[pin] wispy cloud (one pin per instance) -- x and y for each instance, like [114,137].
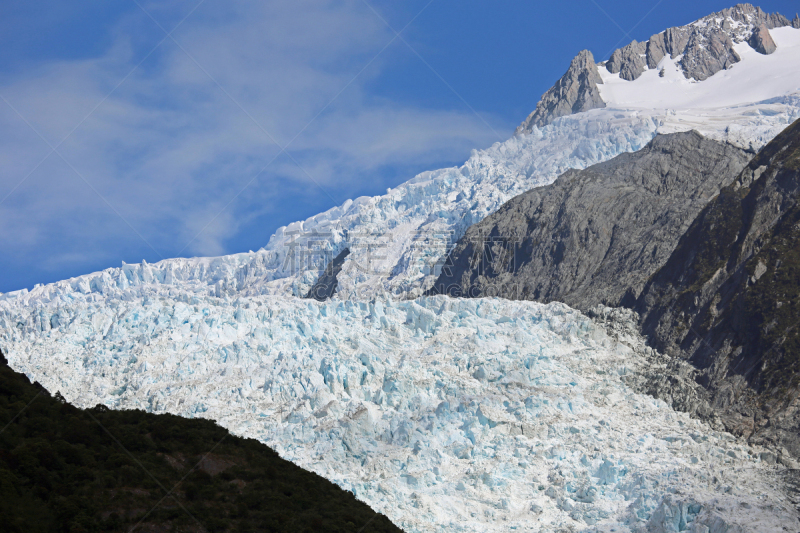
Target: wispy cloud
[169,149]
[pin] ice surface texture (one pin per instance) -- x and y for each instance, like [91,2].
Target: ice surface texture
[479,415]
[398,240]
[457,415]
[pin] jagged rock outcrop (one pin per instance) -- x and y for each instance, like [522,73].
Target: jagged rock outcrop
[796,21]
[707,44]
[628,61]
[670,42]
[761,41]
[706,47]
[594,236]
[328,281]
[708,53]
[728,298]
[575,92]
[746,15]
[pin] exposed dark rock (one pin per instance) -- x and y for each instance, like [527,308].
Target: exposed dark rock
[628,61]
[737,23]
[576,91]
[706,46]
[670,42]
[708,53]
[728,298]
[325,287]
[796,21]
[761,41]
[594,236]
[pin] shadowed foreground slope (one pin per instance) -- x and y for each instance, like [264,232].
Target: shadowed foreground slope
[72,470]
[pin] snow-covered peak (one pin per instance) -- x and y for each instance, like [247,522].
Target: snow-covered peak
[756,78]
[740,20]
[706,46]
[398,240]
[697,51]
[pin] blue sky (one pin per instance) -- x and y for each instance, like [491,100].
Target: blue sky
[170,145]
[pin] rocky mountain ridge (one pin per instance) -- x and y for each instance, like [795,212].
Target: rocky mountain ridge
[728,299]
[575,92]
[594,236]
[702,49]
[724,295]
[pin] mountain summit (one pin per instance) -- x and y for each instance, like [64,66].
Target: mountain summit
[575,92]
[700,50]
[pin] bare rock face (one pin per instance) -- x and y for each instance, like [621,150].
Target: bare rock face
[708,42]
[761,41]
[707,54]
[628,61]
[796,21]
[594,236]
[672,42]
[326,285]
[575,92]
[728,298]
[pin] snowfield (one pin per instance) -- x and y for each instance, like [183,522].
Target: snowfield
[756,78]
[456,415]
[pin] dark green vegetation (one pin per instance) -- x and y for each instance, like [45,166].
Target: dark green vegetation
[728,298]
[72,470]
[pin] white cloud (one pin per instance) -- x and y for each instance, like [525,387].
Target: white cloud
[169,149]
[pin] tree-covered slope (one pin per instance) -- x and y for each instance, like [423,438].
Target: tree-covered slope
[72,470]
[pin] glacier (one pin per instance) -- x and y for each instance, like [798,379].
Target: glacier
[398,241]
[460,415]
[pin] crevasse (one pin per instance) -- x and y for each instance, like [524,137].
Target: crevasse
[462,415]
[477,415]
